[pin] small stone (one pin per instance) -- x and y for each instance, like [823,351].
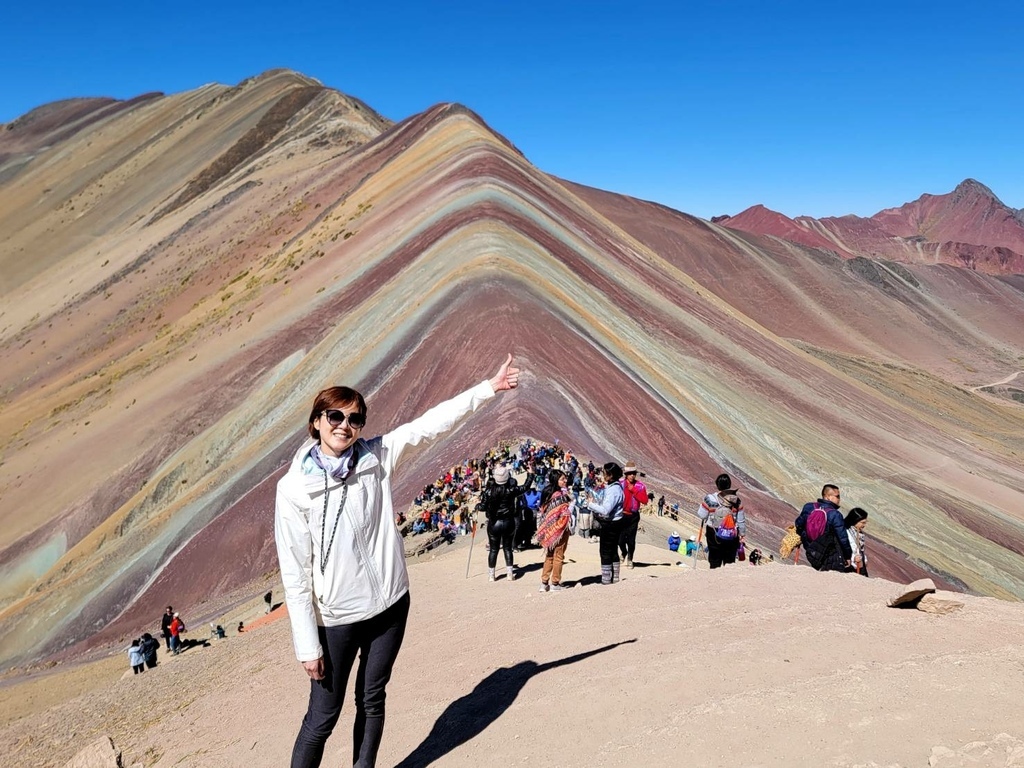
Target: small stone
[100,754]
[938,605]
[909,595]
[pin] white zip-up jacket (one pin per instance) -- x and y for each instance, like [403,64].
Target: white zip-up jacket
[365,572]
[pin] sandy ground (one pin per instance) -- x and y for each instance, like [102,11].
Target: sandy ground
[761,666]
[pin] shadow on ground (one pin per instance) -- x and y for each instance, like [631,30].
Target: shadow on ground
[469,716]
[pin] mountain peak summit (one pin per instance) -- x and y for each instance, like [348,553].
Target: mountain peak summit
[972,188]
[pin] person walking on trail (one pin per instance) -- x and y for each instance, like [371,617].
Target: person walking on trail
[634,496]
[553,531]
[165,626]
[609,512]
[724,522]
[501,504]
[345,580]
[822,531]
[855,523]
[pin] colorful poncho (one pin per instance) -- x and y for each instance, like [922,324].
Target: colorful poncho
[554,520]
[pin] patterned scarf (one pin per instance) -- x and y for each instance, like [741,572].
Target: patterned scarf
[338,468]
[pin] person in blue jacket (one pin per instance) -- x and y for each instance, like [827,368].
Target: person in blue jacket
[831,550]
[674,541]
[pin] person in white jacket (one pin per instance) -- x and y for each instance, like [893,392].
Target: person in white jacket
[343,562]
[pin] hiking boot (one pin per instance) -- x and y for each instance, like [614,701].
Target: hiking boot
[556,588]
[615,573]
[629,562]
[490,574]
[510,573]
[544,587]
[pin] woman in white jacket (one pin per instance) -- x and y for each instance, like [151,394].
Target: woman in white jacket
[343,562]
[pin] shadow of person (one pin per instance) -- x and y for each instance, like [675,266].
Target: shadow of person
[469,716]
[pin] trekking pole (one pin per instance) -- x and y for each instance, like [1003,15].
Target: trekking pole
[700,535]
[472,538]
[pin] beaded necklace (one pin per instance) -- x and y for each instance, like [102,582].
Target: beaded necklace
[326,553]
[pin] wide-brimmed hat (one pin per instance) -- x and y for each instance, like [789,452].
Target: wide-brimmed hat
[630,467]
[729,499]
[501,474]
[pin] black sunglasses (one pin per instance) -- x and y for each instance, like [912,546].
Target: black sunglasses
[336,418]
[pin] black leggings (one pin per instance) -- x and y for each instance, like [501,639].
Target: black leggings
[627,539]
[377,640]
[720,551]
[499,534]
[608,541]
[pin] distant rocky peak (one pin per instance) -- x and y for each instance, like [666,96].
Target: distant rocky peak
[970,188]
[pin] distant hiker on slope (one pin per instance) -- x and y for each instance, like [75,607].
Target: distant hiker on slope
[553,531]
[634,494]
[609,512]
[136,658]
[149,646]
[176,628]
[725,524]
[343,561]
[500,503]
[822,531]
[855,522]
[165,625]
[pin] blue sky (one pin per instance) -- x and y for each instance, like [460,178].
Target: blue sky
[810,108]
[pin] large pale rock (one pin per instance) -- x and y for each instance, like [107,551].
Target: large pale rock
[100,754]
[937,604]
[909,595]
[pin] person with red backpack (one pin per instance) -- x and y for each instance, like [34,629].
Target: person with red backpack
[724,521]
[822,530]
[634,496]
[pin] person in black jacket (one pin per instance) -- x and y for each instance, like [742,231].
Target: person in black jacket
[830,551]
[149,646]
[500,502]
[165,625]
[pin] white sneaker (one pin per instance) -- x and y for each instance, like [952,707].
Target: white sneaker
[557,587]
[544,588]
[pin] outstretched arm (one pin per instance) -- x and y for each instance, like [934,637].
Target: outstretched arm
[443,418]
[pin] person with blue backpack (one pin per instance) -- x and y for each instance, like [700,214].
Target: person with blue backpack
[822,531]
[723,522]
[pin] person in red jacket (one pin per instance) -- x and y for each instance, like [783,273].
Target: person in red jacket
[176,628]
[635,493]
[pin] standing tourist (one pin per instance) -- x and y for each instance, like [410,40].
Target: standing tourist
[822,530]
[609,513]
[501,503]
[343,562]
[634,496]
[855,523]
[553,531]
[165,626]
[136,658]
[725,524]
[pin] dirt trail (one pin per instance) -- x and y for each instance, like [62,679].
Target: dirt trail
[759,666]
[999,383]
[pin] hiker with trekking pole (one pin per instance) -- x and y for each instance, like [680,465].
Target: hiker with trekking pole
[723,523]
[345,581]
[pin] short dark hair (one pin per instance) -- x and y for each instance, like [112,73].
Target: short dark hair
[612,471]
[723,482]
[826,488]
[334,397]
